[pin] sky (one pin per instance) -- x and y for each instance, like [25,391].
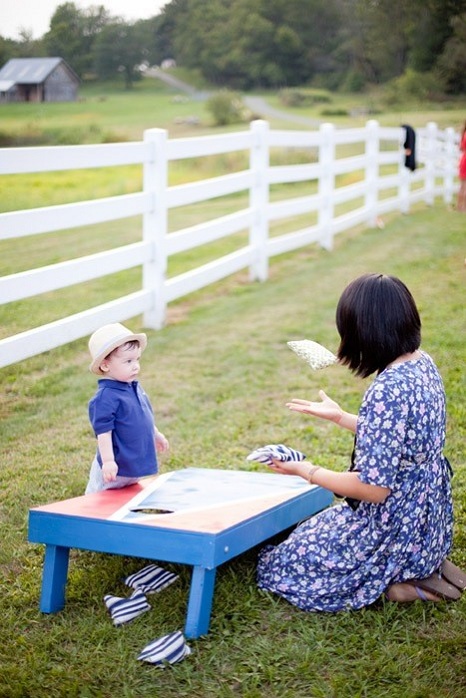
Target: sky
[35,15]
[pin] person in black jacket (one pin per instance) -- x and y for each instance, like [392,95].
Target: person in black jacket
[410,147]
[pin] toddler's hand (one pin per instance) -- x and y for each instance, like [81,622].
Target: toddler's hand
[109,471]
[161,443]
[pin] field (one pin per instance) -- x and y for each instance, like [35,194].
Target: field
[219,375]
[109,113]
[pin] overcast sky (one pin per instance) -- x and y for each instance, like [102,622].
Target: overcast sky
[35,15]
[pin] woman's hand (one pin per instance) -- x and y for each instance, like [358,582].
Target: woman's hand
[290,467]
[326,409]
[346,484]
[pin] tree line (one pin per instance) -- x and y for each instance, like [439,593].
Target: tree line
[247,44]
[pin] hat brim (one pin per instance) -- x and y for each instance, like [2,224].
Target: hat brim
[94,367]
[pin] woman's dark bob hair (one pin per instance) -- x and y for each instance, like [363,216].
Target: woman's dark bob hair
[378,321]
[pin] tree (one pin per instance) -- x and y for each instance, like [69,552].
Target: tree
[118,50]
[306,36]
[72,34]
[7,50]
[28,47]
[265,43]
[388,28]
[64,37]
[452,62]
[250,43]
[164,28]
[433,31]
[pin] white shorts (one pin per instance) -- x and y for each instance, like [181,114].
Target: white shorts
[96,481]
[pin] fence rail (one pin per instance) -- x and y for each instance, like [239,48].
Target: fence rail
[383,185]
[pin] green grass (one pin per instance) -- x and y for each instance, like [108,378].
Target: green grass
[219,375]
[352,110]
[105,112]
[103,109]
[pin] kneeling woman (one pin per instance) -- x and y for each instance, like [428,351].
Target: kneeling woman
[394,531]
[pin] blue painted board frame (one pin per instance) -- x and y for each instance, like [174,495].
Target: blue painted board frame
[204,551]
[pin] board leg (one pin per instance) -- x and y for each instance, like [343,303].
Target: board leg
[200,602]
[54,578]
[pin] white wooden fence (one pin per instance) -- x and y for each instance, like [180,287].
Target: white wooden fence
[380,184]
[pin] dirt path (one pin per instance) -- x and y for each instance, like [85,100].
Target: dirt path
[257,105]
[155,72]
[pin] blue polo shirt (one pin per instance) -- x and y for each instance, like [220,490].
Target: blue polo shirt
[125,410]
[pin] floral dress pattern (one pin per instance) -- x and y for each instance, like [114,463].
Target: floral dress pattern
[345,558]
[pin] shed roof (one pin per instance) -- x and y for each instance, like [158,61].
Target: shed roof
[30,71]
[6,85]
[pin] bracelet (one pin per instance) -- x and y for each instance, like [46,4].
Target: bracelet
[311,472]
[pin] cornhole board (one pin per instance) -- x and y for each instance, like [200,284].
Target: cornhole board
[195,516]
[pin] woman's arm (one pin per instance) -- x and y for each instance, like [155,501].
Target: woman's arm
[326,409]
[346,484]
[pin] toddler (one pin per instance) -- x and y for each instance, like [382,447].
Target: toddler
[120,412]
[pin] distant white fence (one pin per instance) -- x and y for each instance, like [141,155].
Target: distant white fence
[384,185]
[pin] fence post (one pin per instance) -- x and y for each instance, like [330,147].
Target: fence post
[372,171]
[326,184]
[450,168]
[431,153]
[154,226]
[259,199]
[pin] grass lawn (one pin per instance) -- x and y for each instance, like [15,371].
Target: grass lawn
[105,112]
[219,375]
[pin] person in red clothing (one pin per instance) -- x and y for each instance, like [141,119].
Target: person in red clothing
[461,204]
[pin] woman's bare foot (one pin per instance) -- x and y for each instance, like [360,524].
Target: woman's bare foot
[402,593]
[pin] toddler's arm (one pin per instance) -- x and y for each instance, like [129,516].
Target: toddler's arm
[109,467]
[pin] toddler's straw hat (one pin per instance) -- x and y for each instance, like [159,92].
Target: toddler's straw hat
[108,338]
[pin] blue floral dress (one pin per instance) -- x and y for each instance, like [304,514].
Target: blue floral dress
[345,558]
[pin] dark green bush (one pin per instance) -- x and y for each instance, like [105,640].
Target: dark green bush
[294,97]
[413,86]
[334,112]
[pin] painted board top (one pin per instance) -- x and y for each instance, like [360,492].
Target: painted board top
[191,499]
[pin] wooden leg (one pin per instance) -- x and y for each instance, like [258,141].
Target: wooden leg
[54,578]
[200,602]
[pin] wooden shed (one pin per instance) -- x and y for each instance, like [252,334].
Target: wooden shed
[38,80]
